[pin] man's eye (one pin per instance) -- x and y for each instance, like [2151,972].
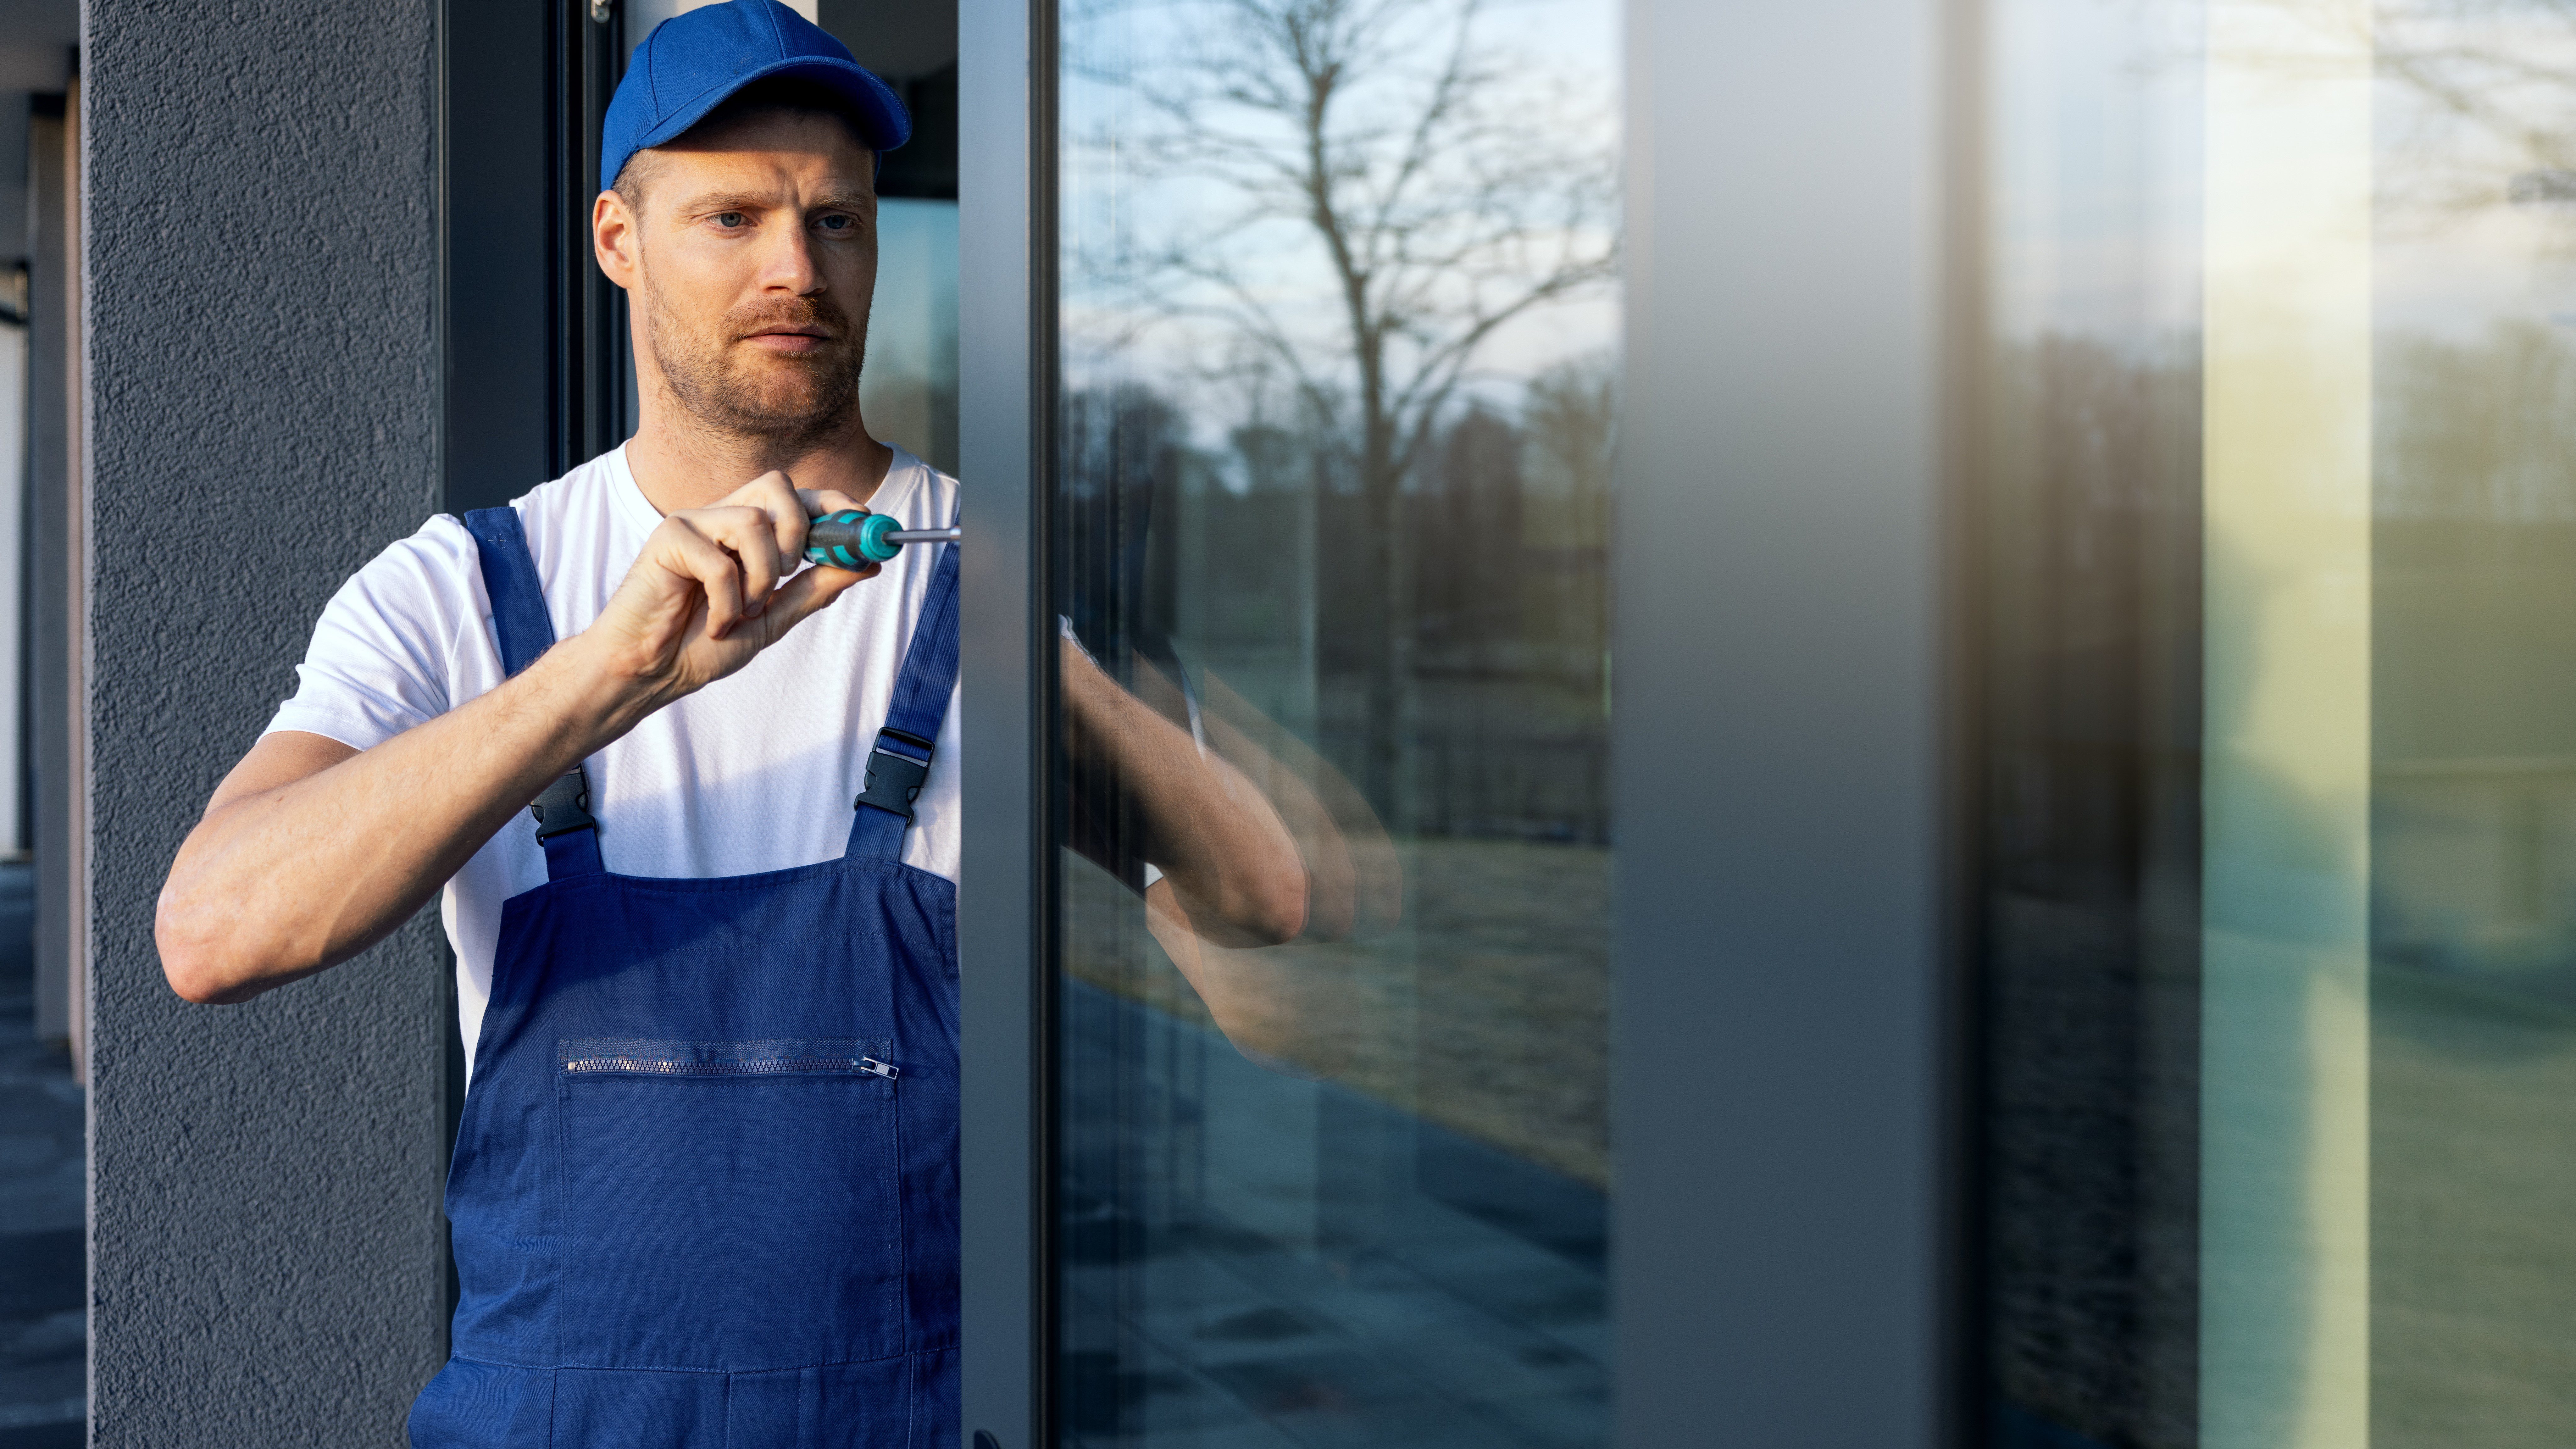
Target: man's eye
[837,223]
[730,219]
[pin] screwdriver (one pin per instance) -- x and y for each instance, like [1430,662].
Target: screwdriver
[851,539]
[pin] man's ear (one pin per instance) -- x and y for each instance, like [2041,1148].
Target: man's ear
[616,238]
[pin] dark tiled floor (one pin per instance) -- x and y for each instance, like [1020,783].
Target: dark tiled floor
[1258,1262]
[43,1331]
[2018,1428]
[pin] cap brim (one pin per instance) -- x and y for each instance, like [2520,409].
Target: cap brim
[883,120]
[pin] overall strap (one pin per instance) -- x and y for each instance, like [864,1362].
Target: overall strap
[900,762]
[564,824]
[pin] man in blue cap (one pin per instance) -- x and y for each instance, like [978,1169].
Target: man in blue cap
[704,1190]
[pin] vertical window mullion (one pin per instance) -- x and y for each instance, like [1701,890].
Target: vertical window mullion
[588,386]
[1005,356]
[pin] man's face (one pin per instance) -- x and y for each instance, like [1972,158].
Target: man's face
[752,265]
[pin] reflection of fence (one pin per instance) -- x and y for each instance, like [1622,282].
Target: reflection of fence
[1527,787]
[2474,862]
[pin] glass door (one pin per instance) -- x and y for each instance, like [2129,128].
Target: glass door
[1336,403]
[2277,509]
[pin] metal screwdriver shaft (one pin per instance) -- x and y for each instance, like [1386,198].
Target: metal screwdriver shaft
[850,539]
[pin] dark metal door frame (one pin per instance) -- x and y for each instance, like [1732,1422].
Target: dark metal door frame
[1784,1043]
[588,56]
[533,334]
[1006,364]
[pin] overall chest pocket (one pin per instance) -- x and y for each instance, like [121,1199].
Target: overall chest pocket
[730,1205]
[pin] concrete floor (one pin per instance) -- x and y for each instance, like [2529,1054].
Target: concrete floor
[43,1329]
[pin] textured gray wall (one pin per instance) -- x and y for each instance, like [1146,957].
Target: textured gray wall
[267,1253]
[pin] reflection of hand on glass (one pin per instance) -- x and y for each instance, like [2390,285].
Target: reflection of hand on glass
[1257,843]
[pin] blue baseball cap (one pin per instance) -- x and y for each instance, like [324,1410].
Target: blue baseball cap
[695,61]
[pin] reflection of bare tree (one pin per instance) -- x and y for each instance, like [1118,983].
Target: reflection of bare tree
[2485,91]
[2486,114]
[1383,147]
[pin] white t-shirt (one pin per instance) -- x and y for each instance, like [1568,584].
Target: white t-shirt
[755,772]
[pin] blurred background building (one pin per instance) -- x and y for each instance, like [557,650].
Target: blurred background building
[43,1317]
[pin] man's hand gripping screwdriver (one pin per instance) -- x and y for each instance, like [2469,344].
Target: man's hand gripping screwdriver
[852,539]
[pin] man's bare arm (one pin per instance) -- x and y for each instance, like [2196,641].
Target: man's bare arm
[1201,821]
[1252,855]
[311,852]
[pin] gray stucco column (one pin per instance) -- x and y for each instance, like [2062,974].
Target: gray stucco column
[263,381]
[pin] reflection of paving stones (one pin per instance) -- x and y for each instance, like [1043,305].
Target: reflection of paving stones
[1488,1012]
[2017,1428]
[1267,1324]
[1270,1263]
[1335,1383]
[43,1330]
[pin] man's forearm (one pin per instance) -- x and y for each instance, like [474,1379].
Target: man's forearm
[1203,823]
[310,853]
[286,876]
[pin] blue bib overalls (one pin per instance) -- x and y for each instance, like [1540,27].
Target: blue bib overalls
[705,1187]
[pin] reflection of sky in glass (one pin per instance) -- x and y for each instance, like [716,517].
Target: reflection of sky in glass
[2095,142]
[1127,200]
[2096,145]
[908,392]
[2471,96]
[2474,293]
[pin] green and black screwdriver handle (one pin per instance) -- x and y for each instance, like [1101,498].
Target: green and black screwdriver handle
[852,539]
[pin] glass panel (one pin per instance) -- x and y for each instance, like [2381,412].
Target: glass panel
[2091,773]
[2279,759]
[2473,840]
[908,392]
[1338,308]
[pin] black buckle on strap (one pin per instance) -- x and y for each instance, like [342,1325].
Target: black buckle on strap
[894,781]
[564,805]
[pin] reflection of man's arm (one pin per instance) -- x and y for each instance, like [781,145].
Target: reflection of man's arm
[1355,887]
[1224,850]
[1257,839]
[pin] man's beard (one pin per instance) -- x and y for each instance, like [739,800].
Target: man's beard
[779,398]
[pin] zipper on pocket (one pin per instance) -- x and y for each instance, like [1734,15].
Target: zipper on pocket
[629,1057]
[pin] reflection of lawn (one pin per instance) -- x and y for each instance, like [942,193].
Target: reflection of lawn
[2472,1217]
[1488,1012]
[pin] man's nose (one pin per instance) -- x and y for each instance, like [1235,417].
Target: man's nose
[788,263]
